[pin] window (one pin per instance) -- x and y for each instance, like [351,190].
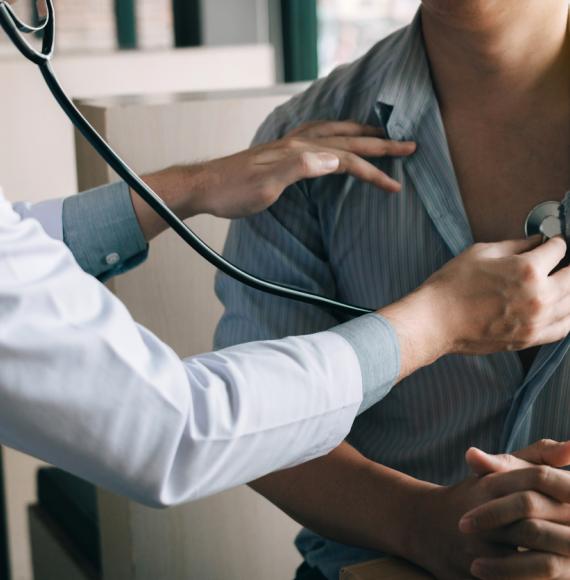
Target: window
[348,28]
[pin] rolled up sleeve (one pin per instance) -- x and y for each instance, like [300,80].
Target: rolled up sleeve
[100,228]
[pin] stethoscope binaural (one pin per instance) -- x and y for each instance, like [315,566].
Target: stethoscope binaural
[547,219]
[16,29]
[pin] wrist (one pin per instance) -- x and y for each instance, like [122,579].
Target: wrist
[419,323]
[183,188]
[396,526]
[421,526]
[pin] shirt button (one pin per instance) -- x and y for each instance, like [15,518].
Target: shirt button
[113,259]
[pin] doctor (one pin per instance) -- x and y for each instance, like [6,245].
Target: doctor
[84,387]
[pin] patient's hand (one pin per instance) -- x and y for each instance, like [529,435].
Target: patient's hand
[531,512]
[500,502]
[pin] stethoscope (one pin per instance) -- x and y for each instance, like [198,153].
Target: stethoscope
[547,219]
[16,29]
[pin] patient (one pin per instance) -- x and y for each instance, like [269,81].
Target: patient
[483,87]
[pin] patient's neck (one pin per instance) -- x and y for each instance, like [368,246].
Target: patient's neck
[506,56]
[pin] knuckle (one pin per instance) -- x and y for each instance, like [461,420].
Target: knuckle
[551,567]
[544,444]
[532,531]
[267,192]
[305,162]
[478,248]
[293,143]
[527,335]
[528,272]
[542,475]
[536,306]
[527,504]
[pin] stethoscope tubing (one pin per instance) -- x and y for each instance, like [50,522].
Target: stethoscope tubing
[15,28]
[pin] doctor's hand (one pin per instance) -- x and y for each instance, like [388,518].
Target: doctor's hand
[492,298]
[251,181]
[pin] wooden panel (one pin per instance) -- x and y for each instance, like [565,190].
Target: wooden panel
[386,569]
[35,129]
[236,535]
[116,537]
[53,556]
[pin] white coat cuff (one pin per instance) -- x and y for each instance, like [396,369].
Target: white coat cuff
[48,213]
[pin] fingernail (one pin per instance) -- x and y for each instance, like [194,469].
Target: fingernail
[328,161]
[468,525]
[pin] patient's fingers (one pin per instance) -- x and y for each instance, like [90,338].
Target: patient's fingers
[548,480]
[522,566]
[537,535]
[514,508]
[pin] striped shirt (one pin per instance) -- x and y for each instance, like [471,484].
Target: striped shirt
[347,239]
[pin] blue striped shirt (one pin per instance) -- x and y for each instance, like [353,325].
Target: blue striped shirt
[349,240]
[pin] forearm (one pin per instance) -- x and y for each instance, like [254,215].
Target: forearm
[349,499]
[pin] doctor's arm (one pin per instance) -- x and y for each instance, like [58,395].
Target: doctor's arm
[85,388]
[108,228]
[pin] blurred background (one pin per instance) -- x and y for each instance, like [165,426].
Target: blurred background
[111,48]
[321,33]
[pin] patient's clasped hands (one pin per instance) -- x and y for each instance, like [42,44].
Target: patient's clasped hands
[510,520]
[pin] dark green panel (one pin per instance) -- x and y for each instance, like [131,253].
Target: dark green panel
[4,561]
[300,40]
[187,22]
[126,18]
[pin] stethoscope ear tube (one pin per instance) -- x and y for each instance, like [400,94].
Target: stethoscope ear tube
[156,203]
[15,29]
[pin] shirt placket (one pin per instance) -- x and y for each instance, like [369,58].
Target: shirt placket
[432,172]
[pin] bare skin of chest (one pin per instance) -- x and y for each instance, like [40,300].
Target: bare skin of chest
[503,172]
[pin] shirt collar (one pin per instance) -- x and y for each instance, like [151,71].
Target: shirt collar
[407,90]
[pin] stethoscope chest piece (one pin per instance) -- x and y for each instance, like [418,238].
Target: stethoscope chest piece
[544,220]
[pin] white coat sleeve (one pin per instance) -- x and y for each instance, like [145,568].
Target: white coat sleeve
[85,388]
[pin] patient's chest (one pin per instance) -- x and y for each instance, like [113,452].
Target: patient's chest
[504,169]
[381,247]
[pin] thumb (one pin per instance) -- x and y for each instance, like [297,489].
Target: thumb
[308,165]
[482,463]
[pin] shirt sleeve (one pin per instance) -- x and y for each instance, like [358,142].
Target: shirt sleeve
[83,387]
[99,226]
[101,230]
[286,244]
